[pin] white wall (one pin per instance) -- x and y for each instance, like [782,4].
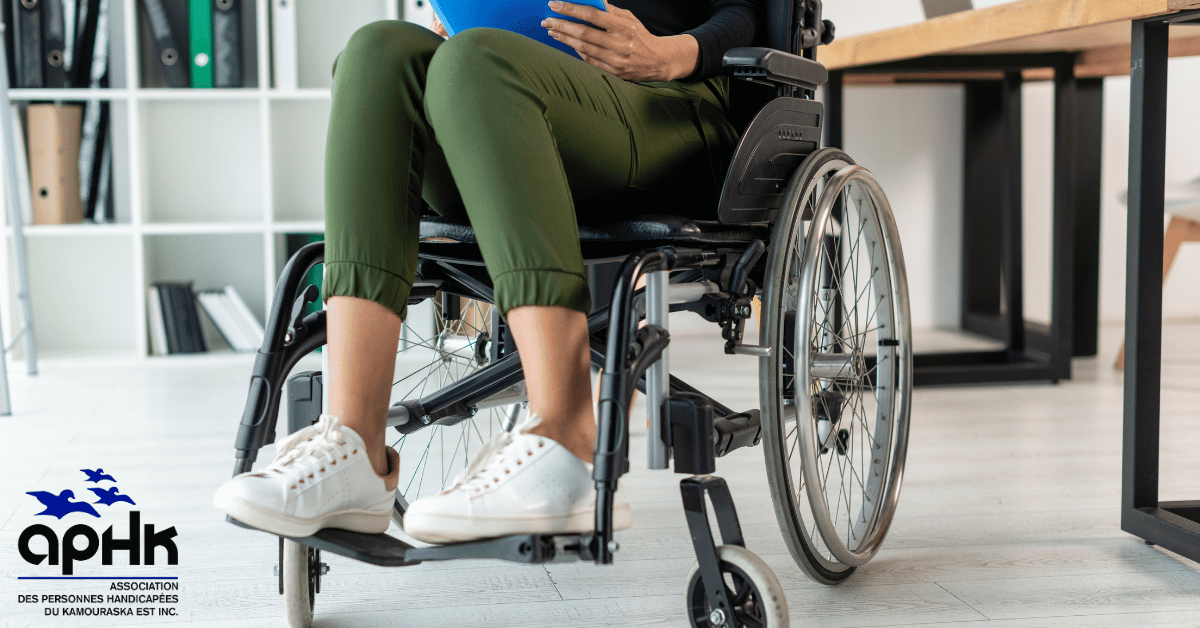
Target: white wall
[911,138]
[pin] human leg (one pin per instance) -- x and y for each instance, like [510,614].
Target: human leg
[527,132]
[553,343]
[377,152]
[572,137]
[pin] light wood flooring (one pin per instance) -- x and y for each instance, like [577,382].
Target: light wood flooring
[1009,514]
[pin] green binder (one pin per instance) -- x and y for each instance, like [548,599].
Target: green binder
[200,28]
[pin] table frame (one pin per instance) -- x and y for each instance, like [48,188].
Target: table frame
[992,286]
[1173,525]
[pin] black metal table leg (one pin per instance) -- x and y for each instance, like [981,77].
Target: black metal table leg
[1079,106]
[834,116]
[1173,525]
[992,297]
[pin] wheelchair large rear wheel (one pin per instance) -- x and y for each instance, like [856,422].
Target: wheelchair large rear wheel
[836,387]
[451,348]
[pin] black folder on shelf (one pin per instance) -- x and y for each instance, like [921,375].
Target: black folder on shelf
[94,148]
[168,34]
[227,43]
[181,318]
[89,67]
[54,43]
[24,20]
[89,62]
[170,325]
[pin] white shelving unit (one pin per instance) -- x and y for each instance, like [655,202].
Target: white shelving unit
[206,182]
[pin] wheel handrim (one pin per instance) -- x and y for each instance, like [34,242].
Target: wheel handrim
[855,461]
[791,504]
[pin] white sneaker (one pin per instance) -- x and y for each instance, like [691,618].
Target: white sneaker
[519,483]
[320,478]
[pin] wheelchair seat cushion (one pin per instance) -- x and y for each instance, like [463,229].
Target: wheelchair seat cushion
[650,228]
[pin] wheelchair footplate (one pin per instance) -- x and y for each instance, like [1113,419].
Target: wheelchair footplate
[384,550]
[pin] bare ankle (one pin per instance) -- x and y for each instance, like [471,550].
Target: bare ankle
[379,463]
[581,443]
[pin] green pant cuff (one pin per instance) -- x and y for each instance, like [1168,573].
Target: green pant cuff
[351,279]
[518,288]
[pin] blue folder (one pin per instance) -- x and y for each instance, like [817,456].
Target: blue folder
[519,16]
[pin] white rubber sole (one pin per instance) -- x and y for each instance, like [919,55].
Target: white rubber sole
[373,520]
[438,528]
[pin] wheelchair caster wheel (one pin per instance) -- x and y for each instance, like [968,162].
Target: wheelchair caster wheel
[751,587]
[300,574]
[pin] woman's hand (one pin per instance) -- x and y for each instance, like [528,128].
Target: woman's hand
[438,28]
[624,48]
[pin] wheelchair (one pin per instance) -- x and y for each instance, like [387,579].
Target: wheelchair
[806,224]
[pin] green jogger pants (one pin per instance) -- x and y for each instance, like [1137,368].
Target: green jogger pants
[522,139]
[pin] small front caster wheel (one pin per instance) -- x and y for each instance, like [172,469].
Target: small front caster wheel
[301,565]
[753,591]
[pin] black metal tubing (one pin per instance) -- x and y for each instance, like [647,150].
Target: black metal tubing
[616,388]
[1079,106]
[1173,525]
[834,116]
[278,354]
[992,301]
[696,512]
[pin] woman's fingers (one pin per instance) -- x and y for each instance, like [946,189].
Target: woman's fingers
[603,19]
[607,44]
[584,48]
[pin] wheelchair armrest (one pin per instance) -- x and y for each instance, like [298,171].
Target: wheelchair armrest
[775,67]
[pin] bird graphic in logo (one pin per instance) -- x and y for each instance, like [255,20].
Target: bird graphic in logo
[111,496]
[97,475]
[61,505]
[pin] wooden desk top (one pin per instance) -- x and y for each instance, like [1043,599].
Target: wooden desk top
[1100,27]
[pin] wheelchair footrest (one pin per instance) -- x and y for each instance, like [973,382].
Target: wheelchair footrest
[388,551]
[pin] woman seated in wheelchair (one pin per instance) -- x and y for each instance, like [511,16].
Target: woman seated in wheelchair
[523,140]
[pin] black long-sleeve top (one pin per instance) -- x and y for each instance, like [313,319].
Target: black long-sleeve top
[717,24]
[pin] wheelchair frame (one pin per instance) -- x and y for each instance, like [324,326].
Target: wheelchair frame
[718,273]
[695,426]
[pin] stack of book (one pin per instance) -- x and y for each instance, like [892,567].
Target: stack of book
[174,319]
[233,318]
[196,43]
[179,319]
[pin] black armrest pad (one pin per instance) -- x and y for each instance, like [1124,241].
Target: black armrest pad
[768,64]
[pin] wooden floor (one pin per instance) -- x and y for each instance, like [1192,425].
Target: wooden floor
[1008,517]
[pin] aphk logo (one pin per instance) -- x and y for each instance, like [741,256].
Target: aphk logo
[140,541]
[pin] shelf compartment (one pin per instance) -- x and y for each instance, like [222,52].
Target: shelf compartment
[80,303]
[322,30]
[298,130]
[210,261]
[202,161]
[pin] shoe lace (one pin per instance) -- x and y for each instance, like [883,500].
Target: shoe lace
[500,456]
[307,452]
